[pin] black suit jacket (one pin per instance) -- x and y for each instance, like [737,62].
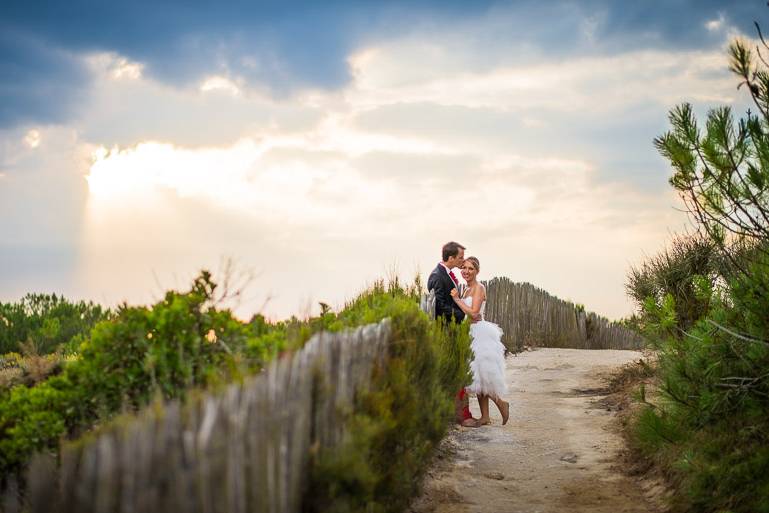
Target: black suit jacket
[441,283]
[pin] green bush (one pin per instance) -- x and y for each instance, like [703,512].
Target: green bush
[674,273]
[185,342]
[46,321]
[711,430]
[704,307]
[398,422]
[165,350]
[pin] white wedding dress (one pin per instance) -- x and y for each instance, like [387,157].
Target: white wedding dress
[488,365]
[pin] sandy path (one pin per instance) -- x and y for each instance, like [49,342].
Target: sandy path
[556,454]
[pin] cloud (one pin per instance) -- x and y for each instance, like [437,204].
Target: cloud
[42,193]
[523,130]
[127,111]
[283,48]
[32,139]
[606,109]
[40,82]
[217,83]
[716,24]
[272,46]
[303,213]
[562,85]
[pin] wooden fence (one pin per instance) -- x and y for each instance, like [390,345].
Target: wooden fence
[529,316]
[245,449]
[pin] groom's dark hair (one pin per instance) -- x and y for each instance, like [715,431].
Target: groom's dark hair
[451,249]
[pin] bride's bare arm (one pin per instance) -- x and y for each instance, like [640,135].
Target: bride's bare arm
[472,311]
[478,297]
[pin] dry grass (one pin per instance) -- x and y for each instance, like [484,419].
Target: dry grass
[28,368]
[10,376]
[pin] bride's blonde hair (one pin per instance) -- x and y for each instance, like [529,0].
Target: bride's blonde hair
[475,262]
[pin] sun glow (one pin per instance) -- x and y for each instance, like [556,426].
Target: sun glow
[217,83]
[301,175]
[265,179]
[32,138]
[152,167]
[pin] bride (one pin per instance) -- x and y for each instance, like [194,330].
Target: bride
[488,365]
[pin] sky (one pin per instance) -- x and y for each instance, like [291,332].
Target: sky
[320,146]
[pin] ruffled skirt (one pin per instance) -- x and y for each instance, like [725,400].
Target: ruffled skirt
[488,365]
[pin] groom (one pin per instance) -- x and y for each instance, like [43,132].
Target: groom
[442,280]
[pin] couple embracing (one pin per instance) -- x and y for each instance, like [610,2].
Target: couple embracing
[488,364]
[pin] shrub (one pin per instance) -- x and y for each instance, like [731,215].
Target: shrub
[711,430]
[398,422]
[674,273]
[179,343]
[46,321]
[705,304]
[183,342]
[28,368]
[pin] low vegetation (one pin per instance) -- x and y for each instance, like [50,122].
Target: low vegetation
[186,342]
[703,307]
[46,323]
[135,354]
[399,421]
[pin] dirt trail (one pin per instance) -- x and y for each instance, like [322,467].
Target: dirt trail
[557,453]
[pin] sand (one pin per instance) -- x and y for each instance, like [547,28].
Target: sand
[559,452]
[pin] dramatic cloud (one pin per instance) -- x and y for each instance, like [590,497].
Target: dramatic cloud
[349,217]
[322,147]
[39,82]
[283,47]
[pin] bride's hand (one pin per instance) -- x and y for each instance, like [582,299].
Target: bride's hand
[455,293]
